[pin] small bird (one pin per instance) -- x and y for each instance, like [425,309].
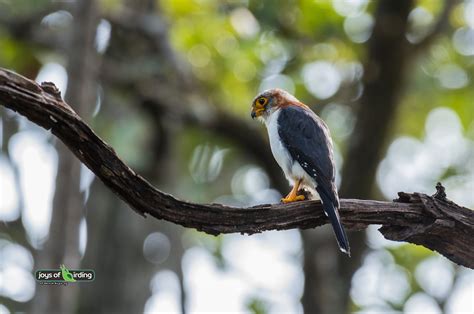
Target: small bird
[301,144]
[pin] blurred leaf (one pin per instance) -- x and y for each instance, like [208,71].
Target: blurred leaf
[409,256]
[18,56]
[257,306]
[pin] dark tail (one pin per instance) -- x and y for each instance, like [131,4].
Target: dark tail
[331,211]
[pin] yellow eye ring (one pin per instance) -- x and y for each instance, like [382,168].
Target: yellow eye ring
[262,101]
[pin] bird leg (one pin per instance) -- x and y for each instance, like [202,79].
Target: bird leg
[293,195]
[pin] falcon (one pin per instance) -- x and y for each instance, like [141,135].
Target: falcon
[301,144]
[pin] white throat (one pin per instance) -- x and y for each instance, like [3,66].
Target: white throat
[270,117]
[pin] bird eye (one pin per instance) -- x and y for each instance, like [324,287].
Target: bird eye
[262,101]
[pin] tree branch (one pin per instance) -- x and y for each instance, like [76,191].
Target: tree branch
[430,221]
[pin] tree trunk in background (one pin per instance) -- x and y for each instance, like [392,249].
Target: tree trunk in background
[62,246]
[118,260]
[115,252]
[328,272]
[115,246]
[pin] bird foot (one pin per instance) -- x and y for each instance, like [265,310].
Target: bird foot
[293,198]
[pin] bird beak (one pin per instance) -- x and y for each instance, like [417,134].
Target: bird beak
[256,112]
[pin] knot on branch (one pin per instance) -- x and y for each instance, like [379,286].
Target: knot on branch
[440,192]
[404,197]
[51,89]
[433,212]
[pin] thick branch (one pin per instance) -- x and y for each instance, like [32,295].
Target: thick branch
[434,222]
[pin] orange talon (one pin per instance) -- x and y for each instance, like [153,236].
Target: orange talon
[293,195]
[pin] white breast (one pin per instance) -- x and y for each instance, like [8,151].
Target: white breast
[281,154]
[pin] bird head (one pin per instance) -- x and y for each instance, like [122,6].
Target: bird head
[271,100]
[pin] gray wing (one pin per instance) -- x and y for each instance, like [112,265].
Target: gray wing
[305,136]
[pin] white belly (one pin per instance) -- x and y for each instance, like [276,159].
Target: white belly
[281,154]
[292,169]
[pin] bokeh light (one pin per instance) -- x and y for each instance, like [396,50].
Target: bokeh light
[410,166]
[359,27]
[36,161]
[156,247]
[321,78]
[10,198]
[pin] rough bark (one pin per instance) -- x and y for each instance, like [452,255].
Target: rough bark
[434,222]
[62,246]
